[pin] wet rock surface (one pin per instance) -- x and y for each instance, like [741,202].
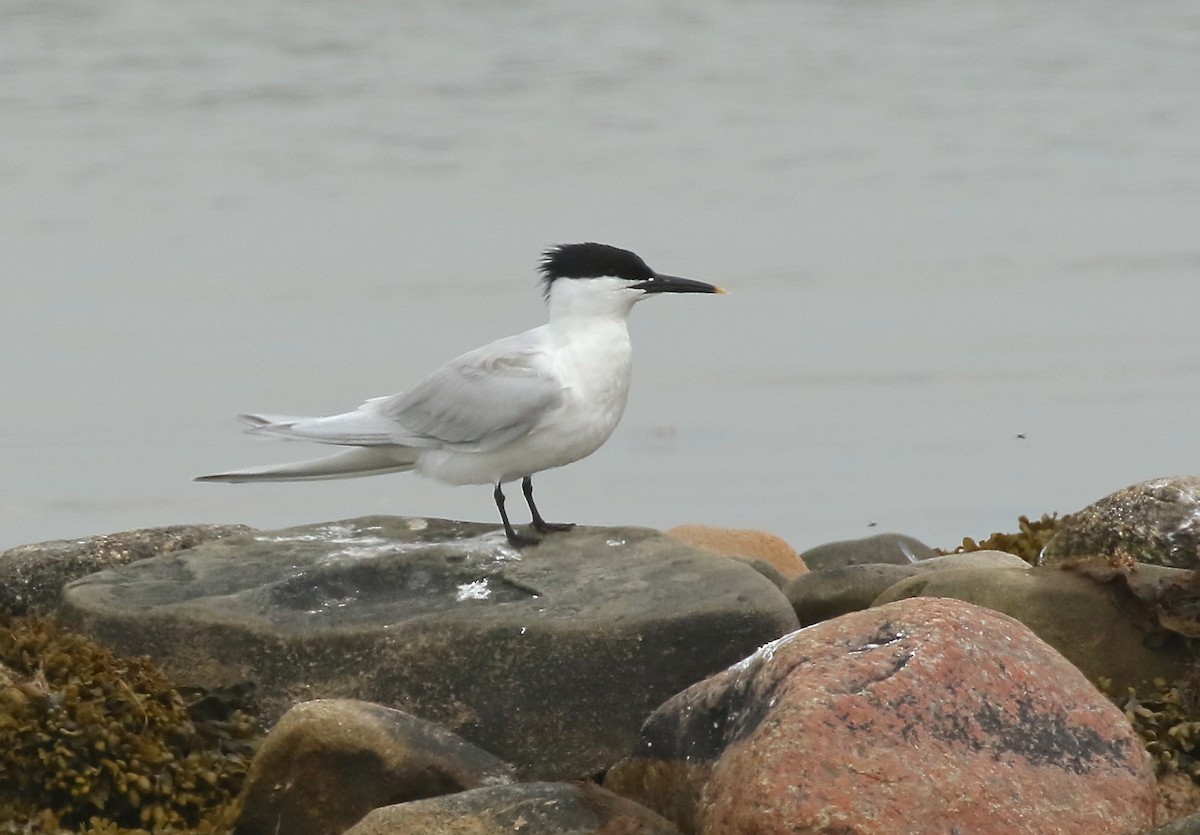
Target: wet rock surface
[32,576]
[549,658]
[1156,522]
[528,809]
[824,594]
[327,763]
[890,548]
[922,716]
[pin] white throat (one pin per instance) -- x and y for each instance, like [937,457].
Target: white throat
[591,298]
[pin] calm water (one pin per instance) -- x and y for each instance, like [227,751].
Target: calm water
[943,225]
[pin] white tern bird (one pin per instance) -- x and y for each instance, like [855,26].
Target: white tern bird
[541,399]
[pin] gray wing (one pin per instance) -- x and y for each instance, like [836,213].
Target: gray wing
[479,401]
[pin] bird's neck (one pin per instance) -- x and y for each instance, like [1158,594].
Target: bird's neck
[589,322]
[592,356]
[590,301]
[576,327]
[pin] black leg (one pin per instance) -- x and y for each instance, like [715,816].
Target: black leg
[539,524]
[514,538]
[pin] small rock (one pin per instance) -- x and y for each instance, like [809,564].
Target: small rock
[327,763]
[550,658]
[1156,522]
[923,716]
[1189,825]
[32,576]
[765,569]
[891,548]
[1093,624]
[739,542]
[1178,803]
[525,809]
[825,594]
[830,592]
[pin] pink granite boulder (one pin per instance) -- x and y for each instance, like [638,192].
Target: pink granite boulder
[922,716]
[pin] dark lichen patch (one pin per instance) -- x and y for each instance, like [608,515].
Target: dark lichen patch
[950,727]
[1027,543]
[1038,735]
[93,742]
[1045,737]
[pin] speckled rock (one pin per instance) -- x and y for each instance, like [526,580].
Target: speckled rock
[1155,522]
[525,809]
[32,576]
[825,594]
[891,548]
[1096,626]
[923,716]
[748,543]
[550,658]
[327,763]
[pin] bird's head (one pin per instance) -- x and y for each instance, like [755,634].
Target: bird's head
[600,275]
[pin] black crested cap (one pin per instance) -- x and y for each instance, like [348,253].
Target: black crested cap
[591,260]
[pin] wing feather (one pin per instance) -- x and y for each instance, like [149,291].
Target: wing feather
[483,399]
[476,402]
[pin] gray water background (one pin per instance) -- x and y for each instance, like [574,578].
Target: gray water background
[943,225]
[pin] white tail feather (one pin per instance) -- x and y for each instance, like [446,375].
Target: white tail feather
[349,464]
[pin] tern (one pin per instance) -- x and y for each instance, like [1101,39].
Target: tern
[520,405]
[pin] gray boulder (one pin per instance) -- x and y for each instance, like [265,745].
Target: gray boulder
[329,762]
[527,809]
[549,658]
[892,548]
[821,595]
[1101,628]
[32,576]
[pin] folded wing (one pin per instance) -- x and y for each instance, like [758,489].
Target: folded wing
[476,402]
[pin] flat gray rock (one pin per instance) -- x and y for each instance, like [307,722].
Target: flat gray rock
[549,658]
[32,576]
